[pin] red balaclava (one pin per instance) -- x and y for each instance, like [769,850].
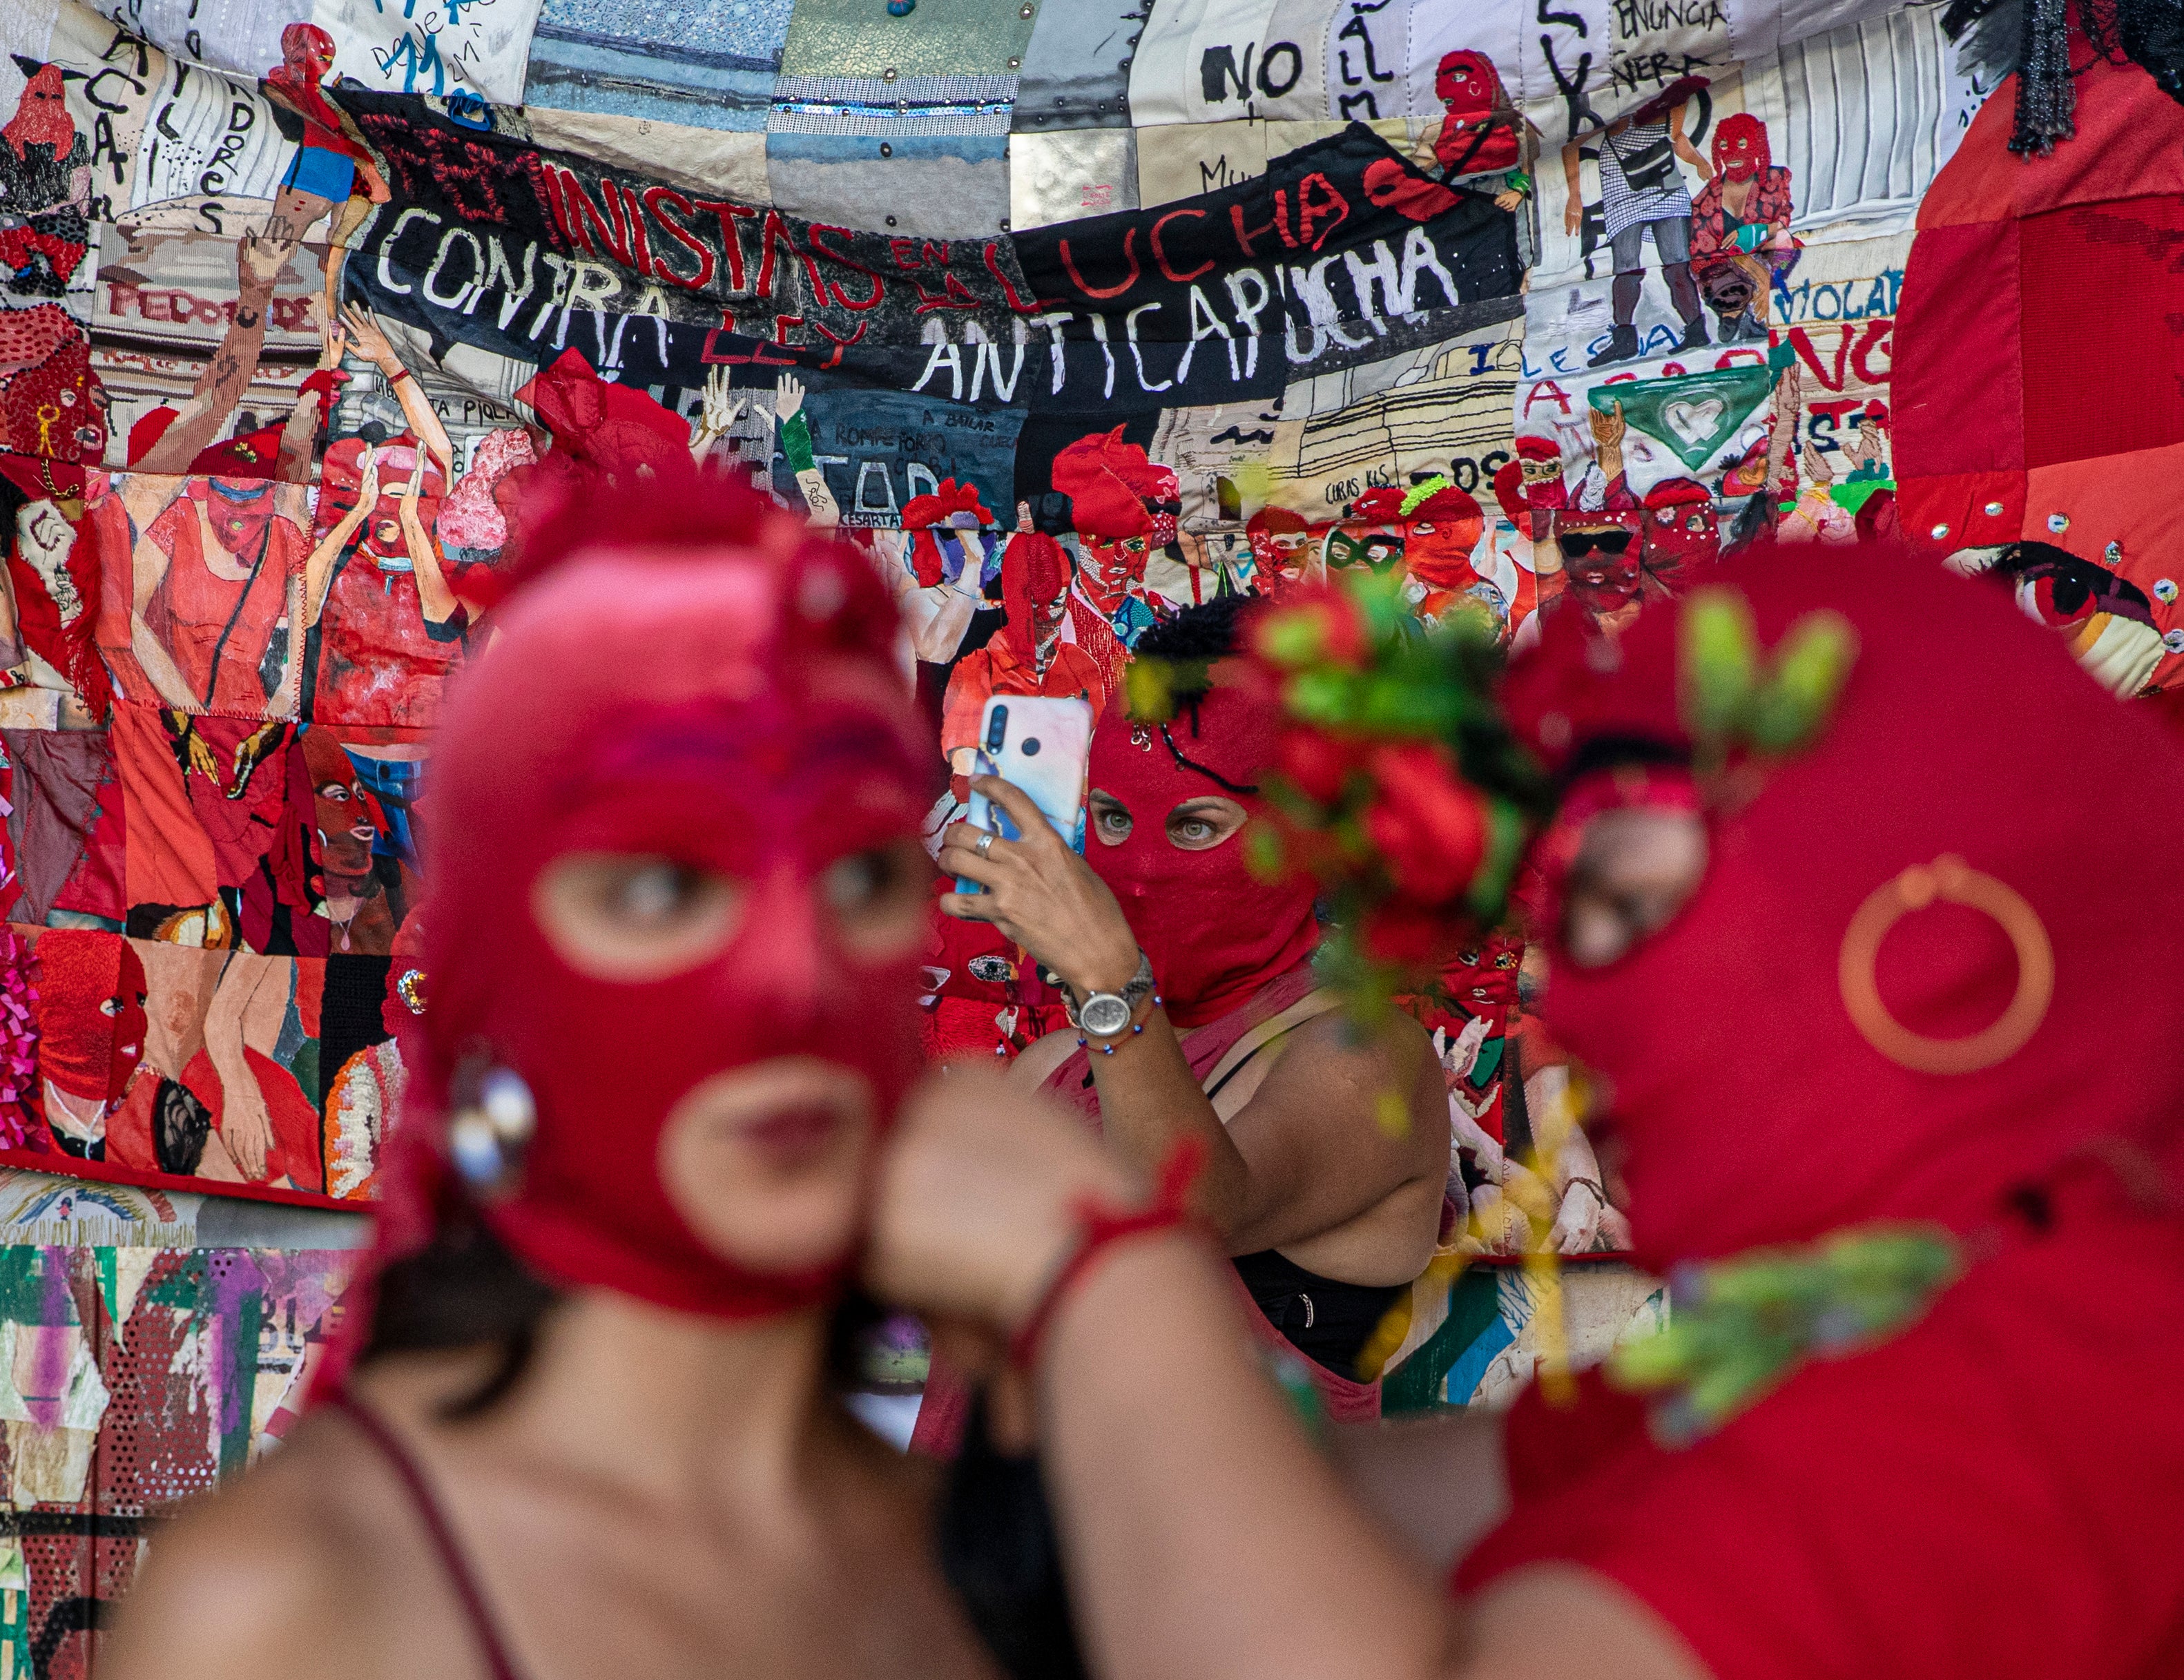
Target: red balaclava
[41,116]
[1682,534]
[954,507]
[307,54]
[1034,574]
[91,1012]
[239,511]
[1470,141]
[1740,146]
[1280,541]
[1754,1110]
[1443,531]
[341,477]
[1602,580]
[58,408]
[1214,932]
[740,714]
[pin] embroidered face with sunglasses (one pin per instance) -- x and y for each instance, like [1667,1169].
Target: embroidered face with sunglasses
[1600,565]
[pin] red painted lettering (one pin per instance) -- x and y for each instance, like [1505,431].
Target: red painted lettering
[1130,256]
[657,200]
[1160,255]
[729,212]
[834,288]
[1245,235]
[1311,207]
[1018,301]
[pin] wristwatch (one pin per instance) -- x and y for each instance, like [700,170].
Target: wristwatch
[1105,1014]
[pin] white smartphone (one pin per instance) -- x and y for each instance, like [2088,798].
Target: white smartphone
[1042,745]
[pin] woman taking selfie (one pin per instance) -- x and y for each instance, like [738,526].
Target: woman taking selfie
[1221,1032]
[579,1423]
[1914,1166]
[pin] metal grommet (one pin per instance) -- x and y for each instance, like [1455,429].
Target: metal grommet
[889,73]
[1940,531]
[886,150]
[890,221]
[1950,879]
[2058,523]
[1005,224]
[2164,589]
[2174,641]
[1025,11]
[1016,63]
[2113,554]
[1123,66]
[1992,510]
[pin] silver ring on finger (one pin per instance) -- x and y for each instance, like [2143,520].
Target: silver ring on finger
[985,842]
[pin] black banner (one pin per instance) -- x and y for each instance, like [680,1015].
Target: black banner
[517,240]
[1341,252]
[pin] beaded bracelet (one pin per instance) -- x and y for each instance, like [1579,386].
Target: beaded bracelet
[1136,1028]
[1100,1227]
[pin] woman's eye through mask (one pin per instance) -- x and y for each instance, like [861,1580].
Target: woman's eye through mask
[635,918]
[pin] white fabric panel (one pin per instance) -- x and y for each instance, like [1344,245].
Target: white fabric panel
[1864,117]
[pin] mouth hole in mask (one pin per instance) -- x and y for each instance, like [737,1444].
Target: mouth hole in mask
[1635,869]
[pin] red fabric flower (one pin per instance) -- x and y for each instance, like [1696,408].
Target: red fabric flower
[1428,826]
[1311,626]
[1315,764]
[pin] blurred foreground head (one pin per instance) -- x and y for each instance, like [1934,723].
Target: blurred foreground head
[1797,1033]
[675,902]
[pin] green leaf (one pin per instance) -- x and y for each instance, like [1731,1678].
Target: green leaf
[1811,664]
[1719,657]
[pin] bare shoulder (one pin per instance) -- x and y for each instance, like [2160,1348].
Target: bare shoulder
[254,1578]
[1562,1620]
[1330,1068]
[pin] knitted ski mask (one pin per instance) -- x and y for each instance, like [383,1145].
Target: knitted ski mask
[1755,1108]
[91,1012]
[1214,933]
[698,682]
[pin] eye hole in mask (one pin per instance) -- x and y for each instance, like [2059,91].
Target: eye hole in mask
[631,919]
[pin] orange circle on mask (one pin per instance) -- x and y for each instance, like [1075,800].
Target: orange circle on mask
[1947,880]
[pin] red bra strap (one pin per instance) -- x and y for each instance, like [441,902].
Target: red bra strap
[412,1475]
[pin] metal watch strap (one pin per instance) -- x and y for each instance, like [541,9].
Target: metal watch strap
[1134,992]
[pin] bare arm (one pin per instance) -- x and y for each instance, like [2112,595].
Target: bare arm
[227,375]
[434,598]
[1684,148]
[1205,1537]
[1308,1153]
[245,1127]
[319,568]
[1574,188]
[230,1593]
[1437,1480]
[417,411]
[937,634]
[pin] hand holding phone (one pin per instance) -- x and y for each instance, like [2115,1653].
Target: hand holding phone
[1042,745]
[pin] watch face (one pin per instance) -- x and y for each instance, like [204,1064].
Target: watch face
[1104,1014]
